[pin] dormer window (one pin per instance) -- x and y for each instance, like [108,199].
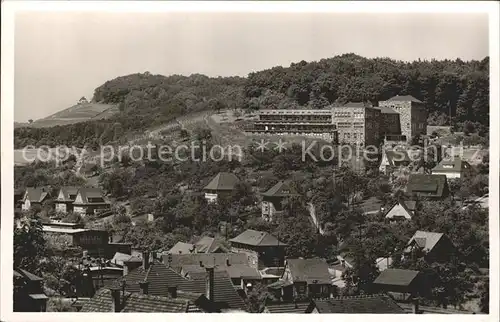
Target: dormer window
[448,166]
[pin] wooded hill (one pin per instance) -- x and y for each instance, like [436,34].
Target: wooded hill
[146,100]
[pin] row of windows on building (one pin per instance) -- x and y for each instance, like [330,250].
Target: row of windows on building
[348,125]
[355,136]
[358,115]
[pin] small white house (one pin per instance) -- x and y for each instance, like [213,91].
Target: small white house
[401,210]
[33,196]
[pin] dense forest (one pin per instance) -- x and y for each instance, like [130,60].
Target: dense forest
[147,100]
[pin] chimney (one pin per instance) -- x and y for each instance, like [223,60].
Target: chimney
[145,260]
[115,295]
[415,309]
[210,283]
[172,290]
[125,269]
[144,287]
[227,262]
[201,264]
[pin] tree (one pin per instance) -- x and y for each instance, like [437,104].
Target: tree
[29,245]
[30,121]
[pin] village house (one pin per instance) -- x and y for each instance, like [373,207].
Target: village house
[215,285]
[65,199]
[90,200]
[34,196]
[427,186]
[401,284]
[452,169]
[434,247]
[72,235]
[206,245]
[393,159]
[223,184]
[303,278]
[29,295]
[272,200]
[404,209]
[263,249]
[368,304]
[236,265]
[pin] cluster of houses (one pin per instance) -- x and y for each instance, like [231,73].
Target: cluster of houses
[208,277]
[81,200]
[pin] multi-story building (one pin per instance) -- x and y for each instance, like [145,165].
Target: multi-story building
[315,123]
[412,115]
[357,123]
[398,119]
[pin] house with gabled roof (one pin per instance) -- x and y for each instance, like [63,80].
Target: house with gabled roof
[205,245]
[65,198]
[392,159]
[162,280]
[90,200]
[452,169]
[223,183]
[432,246]
[263,249]
[34,196]
[303,278]
[427,186]
[401,284]
[404,209]
[272,199]
[242,275]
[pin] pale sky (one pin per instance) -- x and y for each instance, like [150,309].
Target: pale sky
[60,57]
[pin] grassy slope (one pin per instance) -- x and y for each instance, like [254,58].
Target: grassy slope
[74,114]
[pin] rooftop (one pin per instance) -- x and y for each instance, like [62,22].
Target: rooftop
[426,239]
[404,98]
[426,185]
[380,304]
[135,302]
[455,165]
[313,270]
[399,277]
[222,181]
[280,189]
[299,307]
[256,238]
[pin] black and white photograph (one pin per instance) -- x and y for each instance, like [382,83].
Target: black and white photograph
[289,160]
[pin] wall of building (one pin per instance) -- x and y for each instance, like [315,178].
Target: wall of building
[412,117]
[390,124]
